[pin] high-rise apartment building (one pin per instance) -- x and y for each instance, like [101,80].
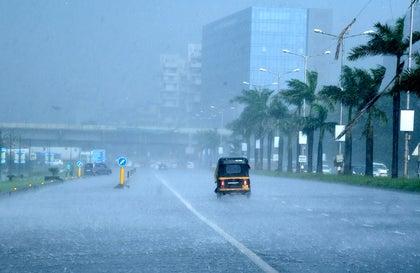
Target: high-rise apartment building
[180,86]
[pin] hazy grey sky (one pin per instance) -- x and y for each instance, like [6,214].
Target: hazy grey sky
[54,52]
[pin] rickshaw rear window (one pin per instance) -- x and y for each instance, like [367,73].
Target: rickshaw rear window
[233,169]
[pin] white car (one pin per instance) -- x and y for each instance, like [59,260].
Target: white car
[380,170]
[326,169]
[190,165]
[57,163]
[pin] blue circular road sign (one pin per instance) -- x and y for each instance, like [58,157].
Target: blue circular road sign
[79,163]
[122,161]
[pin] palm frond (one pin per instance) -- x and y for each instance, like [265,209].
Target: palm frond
[330,93]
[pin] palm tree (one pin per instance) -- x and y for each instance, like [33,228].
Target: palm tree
[370,82]
[242,127]
[296,93]
[389,40]
[280,115]
[319,121]
[289,126]
[208,139]
[256,109]
[348,94]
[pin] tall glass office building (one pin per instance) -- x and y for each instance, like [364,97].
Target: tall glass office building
[237,46]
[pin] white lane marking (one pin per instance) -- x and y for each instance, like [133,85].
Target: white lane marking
[309,209]
[417,210]
[399,232]
[367,225]
[345,220]
[242,248]
[325,214]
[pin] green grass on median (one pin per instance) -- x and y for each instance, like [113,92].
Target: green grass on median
[21,183]
[403,184]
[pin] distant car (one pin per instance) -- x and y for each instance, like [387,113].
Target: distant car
[57,163]
[162,166]
[358,169]
[101,169]
[190,165]
[88,169]
[380,170]
[326,169]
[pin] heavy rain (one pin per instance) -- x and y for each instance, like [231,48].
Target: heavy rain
[209,136]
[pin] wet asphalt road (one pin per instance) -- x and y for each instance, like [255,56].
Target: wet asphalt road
[171,221]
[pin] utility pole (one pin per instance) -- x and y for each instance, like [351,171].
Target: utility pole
[341,37]
[410,61]
[9,167]
[20,156]
[1,154]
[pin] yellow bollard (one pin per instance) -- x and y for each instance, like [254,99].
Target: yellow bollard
[122,178]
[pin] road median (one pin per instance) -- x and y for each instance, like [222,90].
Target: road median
[401,184]
[27,183]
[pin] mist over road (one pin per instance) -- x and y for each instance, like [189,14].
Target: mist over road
[171,221]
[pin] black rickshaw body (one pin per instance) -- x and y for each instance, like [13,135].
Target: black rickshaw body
[232,175]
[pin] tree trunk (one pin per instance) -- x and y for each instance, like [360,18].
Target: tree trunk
[348,147]
[280,153]
[248,147]
[320,151]
[396,104]
[310,150]
[269,149]
[297,141]
[256,164]
[262,153]
[289,153]
[369,146]
[297,153]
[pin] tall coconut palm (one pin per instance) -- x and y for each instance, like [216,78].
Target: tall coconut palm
[256,109]
[370,82]
[280,115]
[348,94]
[208,140]
[243,127]
[389,40]
[296,93]
[318,120]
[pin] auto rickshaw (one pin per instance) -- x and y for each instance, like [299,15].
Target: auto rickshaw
[232,176]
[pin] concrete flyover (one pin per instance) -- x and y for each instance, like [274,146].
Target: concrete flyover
[107,136]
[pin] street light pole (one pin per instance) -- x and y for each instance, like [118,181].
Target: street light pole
[305,64]
[340,149]
[342,37]
[305,68]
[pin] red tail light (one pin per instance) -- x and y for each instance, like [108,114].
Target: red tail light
[222,183]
